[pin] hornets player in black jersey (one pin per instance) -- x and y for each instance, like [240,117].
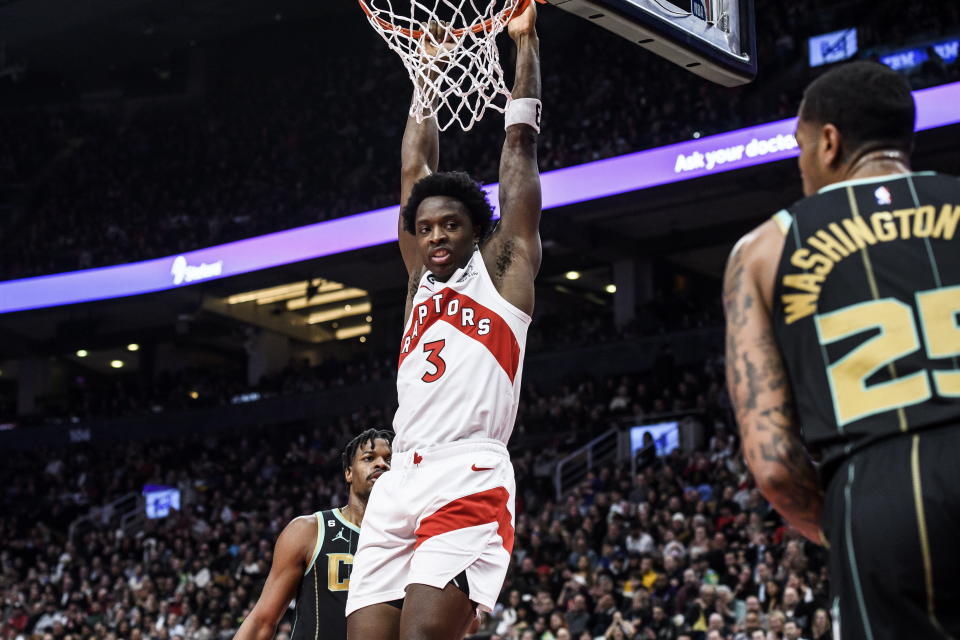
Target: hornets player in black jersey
[843,341]
[314,554]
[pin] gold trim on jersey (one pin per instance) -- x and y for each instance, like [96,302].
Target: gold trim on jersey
[316,599]
[922,531]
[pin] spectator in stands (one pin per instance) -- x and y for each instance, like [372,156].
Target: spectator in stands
[605,559]
[821,628]
[249,158]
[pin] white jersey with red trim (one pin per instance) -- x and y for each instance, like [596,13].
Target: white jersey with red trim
[461,359]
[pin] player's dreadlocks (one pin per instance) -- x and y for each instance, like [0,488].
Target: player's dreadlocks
[370,435]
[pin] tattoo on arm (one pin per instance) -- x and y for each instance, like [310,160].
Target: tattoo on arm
[779,417]
[736,301]
[759,390]
[771,439]
[753,384]
[504,258]
[412,285]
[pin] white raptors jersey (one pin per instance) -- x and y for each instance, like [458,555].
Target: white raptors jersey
[460,362]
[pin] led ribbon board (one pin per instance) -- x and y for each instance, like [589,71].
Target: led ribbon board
[936,107]
[911,57]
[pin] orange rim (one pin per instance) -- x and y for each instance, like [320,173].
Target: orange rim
[520,7]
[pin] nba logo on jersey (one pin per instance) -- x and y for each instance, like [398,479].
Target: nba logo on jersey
[882,194]
[469,272]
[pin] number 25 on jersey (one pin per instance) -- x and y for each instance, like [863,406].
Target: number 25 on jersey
[853,399]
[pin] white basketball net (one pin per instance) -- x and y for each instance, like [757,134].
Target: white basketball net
[455,68]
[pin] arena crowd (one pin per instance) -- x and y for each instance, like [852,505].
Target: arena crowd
[656,547]
[266,147]
[672,546]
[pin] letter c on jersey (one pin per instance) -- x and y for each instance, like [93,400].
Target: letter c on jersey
[338,571]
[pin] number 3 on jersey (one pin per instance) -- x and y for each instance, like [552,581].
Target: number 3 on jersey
[433,350]
[853,399]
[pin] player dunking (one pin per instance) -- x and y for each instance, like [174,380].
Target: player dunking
[842,318]
[437,540]
[313,555]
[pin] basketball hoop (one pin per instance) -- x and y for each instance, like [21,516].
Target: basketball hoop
[450,52]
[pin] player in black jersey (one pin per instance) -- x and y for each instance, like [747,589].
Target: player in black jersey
[843,340]
[314,554]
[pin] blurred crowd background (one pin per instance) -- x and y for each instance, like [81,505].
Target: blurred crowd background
[266,146]
[673,545]
[670,544]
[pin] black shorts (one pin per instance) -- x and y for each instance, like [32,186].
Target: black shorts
[892,517]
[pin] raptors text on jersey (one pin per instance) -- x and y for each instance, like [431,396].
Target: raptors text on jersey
[461,358]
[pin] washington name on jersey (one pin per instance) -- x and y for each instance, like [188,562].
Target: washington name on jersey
[461,356]
[825,247]
[865,310]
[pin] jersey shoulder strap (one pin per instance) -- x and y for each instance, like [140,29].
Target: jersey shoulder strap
[318,545]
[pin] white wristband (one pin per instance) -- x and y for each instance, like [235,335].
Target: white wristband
[523,111]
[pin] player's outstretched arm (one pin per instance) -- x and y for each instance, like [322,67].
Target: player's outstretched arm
[516,241]
[419,151]
[419,157]
[761,395]
[290,558]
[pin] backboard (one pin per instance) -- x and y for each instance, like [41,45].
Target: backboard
[715,39]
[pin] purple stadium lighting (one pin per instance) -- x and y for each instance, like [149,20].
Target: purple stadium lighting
[936,107]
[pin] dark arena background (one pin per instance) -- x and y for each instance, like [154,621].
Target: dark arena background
[176,384]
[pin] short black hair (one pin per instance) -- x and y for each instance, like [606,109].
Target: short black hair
[361,439]
[869,103]
[453,184]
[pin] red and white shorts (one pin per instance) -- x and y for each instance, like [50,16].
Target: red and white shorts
[437,513]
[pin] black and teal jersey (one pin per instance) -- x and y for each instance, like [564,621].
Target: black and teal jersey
[865,309]
[322,596]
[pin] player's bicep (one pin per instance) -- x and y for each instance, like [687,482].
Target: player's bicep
[756,374]
[764,405]
[408,250]
[419,157]
[290,558]
[409,176]
[759,386]
[407,240]
[520,191]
